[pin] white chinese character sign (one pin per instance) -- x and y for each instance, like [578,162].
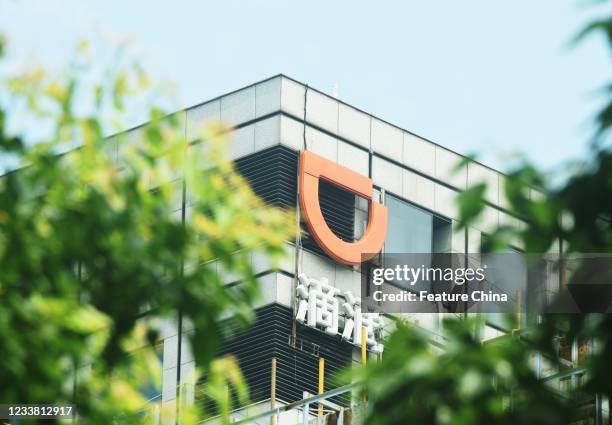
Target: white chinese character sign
[321,306]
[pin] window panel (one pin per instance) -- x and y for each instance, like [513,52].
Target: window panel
[410,228]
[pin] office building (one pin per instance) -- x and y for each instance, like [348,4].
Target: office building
[416,180]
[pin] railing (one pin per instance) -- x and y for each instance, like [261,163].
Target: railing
[303,404]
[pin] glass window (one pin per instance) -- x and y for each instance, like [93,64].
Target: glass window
[410,231]
[508,275]
[441,235]
[410,228]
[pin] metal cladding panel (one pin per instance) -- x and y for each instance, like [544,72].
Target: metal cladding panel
[338,207]
[272,174]
[297,359]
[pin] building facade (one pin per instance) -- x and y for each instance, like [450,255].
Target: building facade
[415,179]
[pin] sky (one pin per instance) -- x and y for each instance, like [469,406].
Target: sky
[491,78]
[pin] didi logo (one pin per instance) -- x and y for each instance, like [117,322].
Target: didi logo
[312,168]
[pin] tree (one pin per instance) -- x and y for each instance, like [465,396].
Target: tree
[93,255]
[470,383]
[464,382]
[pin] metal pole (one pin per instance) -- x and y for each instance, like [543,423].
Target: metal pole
[306,411]
[321,382]
[518,309]
[364,357]
[574,355]
[273,391]
[364,352]
[598,412]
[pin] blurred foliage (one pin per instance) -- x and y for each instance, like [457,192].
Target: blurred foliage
[467,382]
[95,258]
[464,382]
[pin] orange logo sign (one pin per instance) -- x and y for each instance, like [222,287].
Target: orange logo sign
[312,168]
